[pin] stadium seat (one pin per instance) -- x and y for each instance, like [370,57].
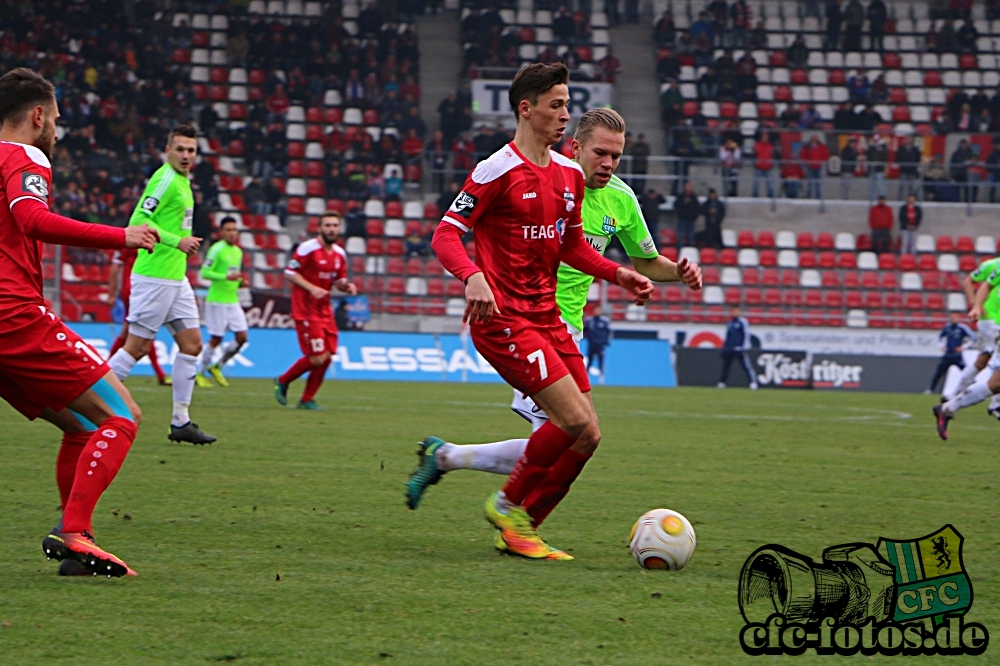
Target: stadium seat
[751,276]
[847,260]
[709,256]
[731,276]
[945,244]
[887,261]
[710,275]
[907,262]
[967,263]
[768,258]
[807,260]
[985,245]
[770,277]
[824,241]
[747,257]
[852,279]
[827,259]
[745,239]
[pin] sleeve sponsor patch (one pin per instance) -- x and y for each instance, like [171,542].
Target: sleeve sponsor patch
[149,204]
[294,264]
[34,184]
[648,246]
[463,204]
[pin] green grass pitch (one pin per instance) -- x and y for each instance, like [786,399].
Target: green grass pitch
[316,498]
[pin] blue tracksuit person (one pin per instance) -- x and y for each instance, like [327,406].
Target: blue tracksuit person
[953,336]
[597,333]
[735,347]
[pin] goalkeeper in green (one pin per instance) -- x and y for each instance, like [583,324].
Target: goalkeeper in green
[610,208]
[161,293]
[223,267]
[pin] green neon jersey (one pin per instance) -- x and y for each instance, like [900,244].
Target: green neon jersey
[167,205]
[989,271]
[224,261]
[610,211]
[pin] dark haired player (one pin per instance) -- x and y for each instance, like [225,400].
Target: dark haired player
[47,370]
[317,266]
[161,294]
[524,203]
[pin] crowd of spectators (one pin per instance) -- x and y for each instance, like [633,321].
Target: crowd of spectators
[118,91]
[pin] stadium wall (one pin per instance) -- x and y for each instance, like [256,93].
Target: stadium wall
[400,357]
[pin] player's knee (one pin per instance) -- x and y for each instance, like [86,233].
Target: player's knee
[578,423]
[994,382]
[319,359]
[587,442]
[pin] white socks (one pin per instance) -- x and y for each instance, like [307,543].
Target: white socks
[970,396]
[229,351]
[995,402]
[185,367]
[965,380]
[205,359]
[121,364]
[495,457]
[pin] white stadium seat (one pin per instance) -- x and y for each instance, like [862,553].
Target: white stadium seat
[788,259]
[731,277]
[947,263]
[867,261]
[925,243]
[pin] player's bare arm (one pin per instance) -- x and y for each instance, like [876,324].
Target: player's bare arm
[639,285]
[142,237]
[480,304]
[969,287]
[346,286]
[979,300]
[299,281]
[662,269]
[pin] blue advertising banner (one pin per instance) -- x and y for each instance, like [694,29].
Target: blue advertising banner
[399,356]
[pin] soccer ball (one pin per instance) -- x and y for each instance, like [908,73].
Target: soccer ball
[662,539]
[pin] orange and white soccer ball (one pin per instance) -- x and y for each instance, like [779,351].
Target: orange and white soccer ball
[662,539]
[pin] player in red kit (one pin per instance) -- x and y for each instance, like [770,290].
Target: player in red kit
[523,204]
[47,370]
[318,265]
[121,274]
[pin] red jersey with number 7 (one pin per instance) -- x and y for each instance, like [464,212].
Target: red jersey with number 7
[322,268]
[520,212]
[25,173]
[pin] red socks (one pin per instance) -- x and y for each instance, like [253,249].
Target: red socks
[116,345]
[315,380]
[544,448]
[69,453]
[299,368]
[553,488]
[96,468]
[160,375]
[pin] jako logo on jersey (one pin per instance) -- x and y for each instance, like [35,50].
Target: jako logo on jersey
[610,225]
[463,204]
[33,183]
[529,195]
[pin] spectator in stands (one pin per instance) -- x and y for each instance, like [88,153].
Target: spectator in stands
[740,16]
[708,85]
[763,167]
[699,27]
[277,105]
[910,216]
[702,51]
[943,124]
[718,11]
[609,67]
[908,158]
[354,89]
[868,119]
[848,165]
[413,146]
[437,157]
[650,202]
[665,32]
[237,48]
[992,165]
[789,117]
[687,208]
[632,11]
[562,26]
[854,19]
[683,150]
[964,121]
[877,17]
[814,156]
[413,121]
[947,40]
[960,165]
[961,9]
[808,117]
[416,245]
[877,157]
[858,86]
[393,182]
[668,66]
[966,38]
[880,223]
[844,118]
[879,93]
[798,53]
[253,197]
[833,21]
[938,9]
[935,179]
[791,178]
[639,151]
[758,37]
[447,197]
[714,211]
[336,183]
[671,105]
[729,161]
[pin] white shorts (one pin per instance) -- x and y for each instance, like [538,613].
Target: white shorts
[986,336]
[153,304]
[222,317]
[525,407]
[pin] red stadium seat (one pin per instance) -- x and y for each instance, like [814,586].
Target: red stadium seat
[728,257]
[907,262]
[753,296]
[709,256]
[932,79]
[715,314]
[315,188]
[732,295]
[669,251]
[968,61]
[900,114]
[768,258]
[887,261]
[837,77]
[395,247]
[965,244]
[772,296]
[218,75]
[296,150]
[927,262]
[710,275]
[967,263]
[775,317]
[804,241]
[745,239]
[333,115]
[873,300]
[914,300]
[852,279]
[728,110]
[751,276]
[935,302]
[807,260]
[827,260]
[394,209]
[314,114]
[889,281]
[792,297]
[852,299]
[799,77]
[673,294]
[777,59]
[200,91]
[833,299]
[766,111]
[765,239]
[395,266]
[847,260]
[789,278]
[770,277]
[374,227]
[931,280]
[814,297]
[891,61]
[374,246]
[782,94]
[830,279]
[945,244]
[869,279]
[893,300]
[824,241]
[755,315]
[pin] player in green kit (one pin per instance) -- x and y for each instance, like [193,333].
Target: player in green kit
[610,209]
[223,267]
[987,328]
[161,293]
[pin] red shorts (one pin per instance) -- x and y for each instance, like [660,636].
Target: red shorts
[316,336]
[44,363]
[530,355]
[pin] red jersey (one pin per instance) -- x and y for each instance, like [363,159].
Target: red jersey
[25,174]
[322,268]
[520,213]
